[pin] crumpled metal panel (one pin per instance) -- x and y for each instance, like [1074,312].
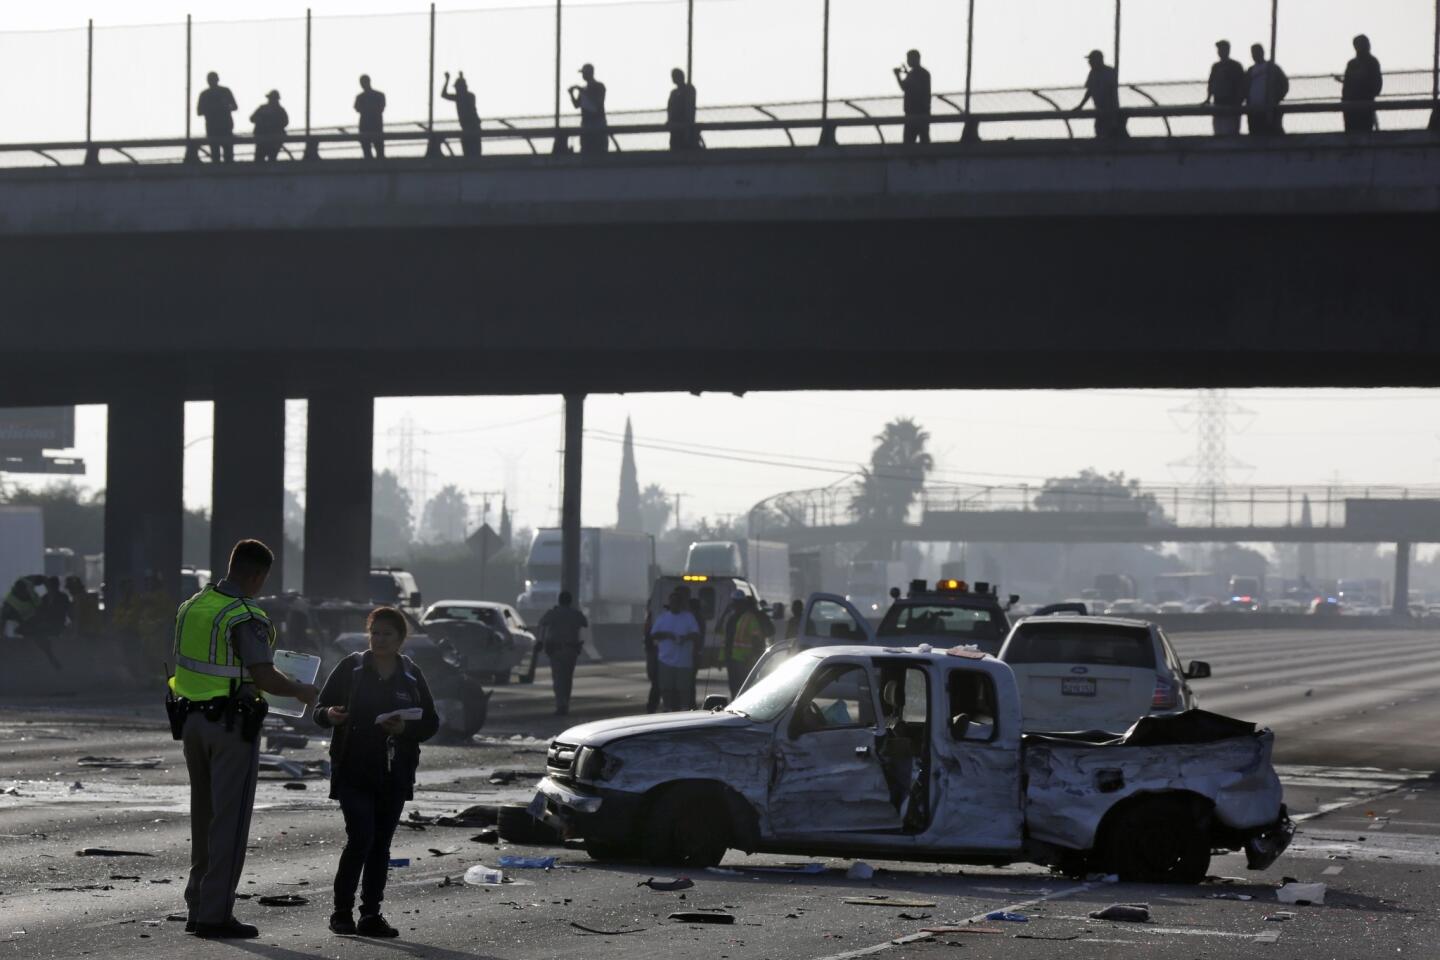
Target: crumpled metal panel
[1071,788]
[738,757]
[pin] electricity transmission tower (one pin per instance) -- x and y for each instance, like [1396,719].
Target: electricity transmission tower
[1209,415]
[409,462]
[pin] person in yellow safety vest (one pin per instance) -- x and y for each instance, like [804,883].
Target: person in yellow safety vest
[752,631]
[223,656]
[19,609]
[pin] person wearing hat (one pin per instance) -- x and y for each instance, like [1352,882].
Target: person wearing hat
[590,101]
[270,120]
[1103,87]
[1226,89]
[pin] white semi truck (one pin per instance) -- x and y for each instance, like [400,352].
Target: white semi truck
[22,544]
[764,563]
[616,570]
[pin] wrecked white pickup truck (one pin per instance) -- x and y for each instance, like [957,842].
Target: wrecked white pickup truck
[914,754]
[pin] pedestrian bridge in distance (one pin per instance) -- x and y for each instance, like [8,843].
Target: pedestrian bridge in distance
[1303,260]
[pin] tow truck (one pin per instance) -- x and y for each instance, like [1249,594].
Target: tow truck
[948,614]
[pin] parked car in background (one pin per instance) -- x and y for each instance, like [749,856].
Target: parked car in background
[1096,673]
[1171,606]
[1127,607]
[492,637]
[395,587]
[1326,607]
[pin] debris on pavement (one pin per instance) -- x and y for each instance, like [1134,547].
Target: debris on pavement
[443,851]
[278,741]
[107,852]
[807,868]
[1007,917]
[1228,896]
[488,835]
[296,785]
[528,863]
[1303,894]
[283,900]
[664,886]
[1124,912]
[480,815]
[859,870]
[604,933]
[953,929]
[702,916]
[399,862]
[879,901]
[909,916]
[1280,916]
[146,763]
[725,871]
[483,876]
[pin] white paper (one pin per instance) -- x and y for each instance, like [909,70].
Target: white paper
[409,713]
[300,667]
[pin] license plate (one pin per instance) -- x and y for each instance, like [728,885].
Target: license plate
[1077,686]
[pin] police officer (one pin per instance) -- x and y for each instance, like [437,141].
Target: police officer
[223,654]
[560,632]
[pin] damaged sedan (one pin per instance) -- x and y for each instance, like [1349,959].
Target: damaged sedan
[914,754]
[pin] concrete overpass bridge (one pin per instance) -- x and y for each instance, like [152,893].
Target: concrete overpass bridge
[1168,262]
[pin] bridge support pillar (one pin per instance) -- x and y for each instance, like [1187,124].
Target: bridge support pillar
[248,483]
[1400,606]
[338,485]
[144,493]
[570,495]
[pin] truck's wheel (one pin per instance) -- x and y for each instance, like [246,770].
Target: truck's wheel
[1159,841]
[688,826]
[608,851]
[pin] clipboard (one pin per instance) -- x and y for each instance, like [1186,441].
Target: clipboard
[300,667]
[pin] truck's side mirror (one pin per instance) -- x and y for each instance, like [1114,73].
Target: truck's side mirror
[1198,670]
[415,599]
[1014,599]
[716,701]
[894,593]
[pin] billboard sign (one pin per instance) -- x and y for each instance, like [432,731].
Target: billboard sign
[32,429]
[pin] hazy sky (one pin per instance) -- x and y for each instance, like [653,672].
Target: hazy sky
[746,51]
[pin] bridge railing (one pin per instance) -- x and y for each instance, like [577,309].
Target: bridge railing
[644,131]
[1259,506]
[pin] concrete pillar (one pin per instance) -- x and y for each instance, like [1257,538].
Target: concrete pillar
[248,485]
[338,485]
[570,497]
[1400,604]
[144,492]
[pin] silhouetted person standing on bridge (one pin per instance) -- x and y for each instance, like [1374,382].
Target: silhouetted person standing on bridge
[1226,89]
[270,121]
[915,81]
[1103,87]
[1362,83]
[680,113]
[1267,85]
[466,112]
[590,101]
[217,105]
[370,104]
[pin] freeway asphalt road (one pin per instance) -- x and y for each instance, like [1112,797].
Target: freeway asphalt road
[1373,835]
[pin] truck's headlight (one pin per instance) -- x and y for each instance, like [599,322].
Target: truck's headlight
[593,764]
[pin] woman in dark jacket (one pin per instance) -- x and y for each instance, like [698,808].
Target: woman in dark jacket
[372,764]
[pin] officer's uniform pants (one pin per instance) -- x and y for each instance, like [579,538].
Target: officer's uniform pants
[223,769]
[562,675]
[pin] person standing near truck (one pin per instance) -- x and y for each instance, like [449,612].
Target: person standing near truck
[674,633]
[224,659]
[745,644]
[560,633]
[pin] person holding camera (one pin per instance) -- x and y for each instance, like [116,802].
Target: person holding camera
[466,112]
[590,101]
[915,81]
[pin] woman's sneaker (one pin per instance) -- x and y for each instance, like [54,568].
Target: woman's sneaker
[374,925]
[342,923]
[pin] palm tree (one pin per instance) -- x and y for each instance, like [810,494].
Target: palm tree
[892,482]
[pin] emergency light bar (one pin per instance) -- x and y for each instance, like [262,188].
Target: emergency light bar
[695,578]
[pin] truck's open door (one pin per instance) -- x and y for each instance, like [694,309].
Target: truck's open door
[831,621]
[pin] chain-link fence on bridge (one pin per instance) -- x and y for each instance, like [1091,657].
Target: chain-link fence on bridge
[794,61]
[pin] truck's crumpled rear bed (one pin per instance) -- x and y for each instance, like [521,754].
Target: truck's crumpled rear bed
[1074,779]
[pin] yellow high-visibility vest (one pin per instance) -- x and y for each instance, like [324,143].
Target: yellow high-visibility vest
[205,665]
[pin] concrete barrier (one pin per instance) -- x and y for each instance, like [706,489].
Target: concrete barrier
[1213,622]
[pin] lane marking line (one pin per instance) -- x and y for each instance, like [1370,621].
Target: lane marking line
[979,917]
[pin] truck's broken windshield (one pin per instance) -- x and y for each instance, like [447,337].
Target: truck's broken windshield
[768,699]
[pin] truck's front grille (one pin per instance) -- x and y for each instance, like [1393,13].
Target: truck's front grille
[561,757]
